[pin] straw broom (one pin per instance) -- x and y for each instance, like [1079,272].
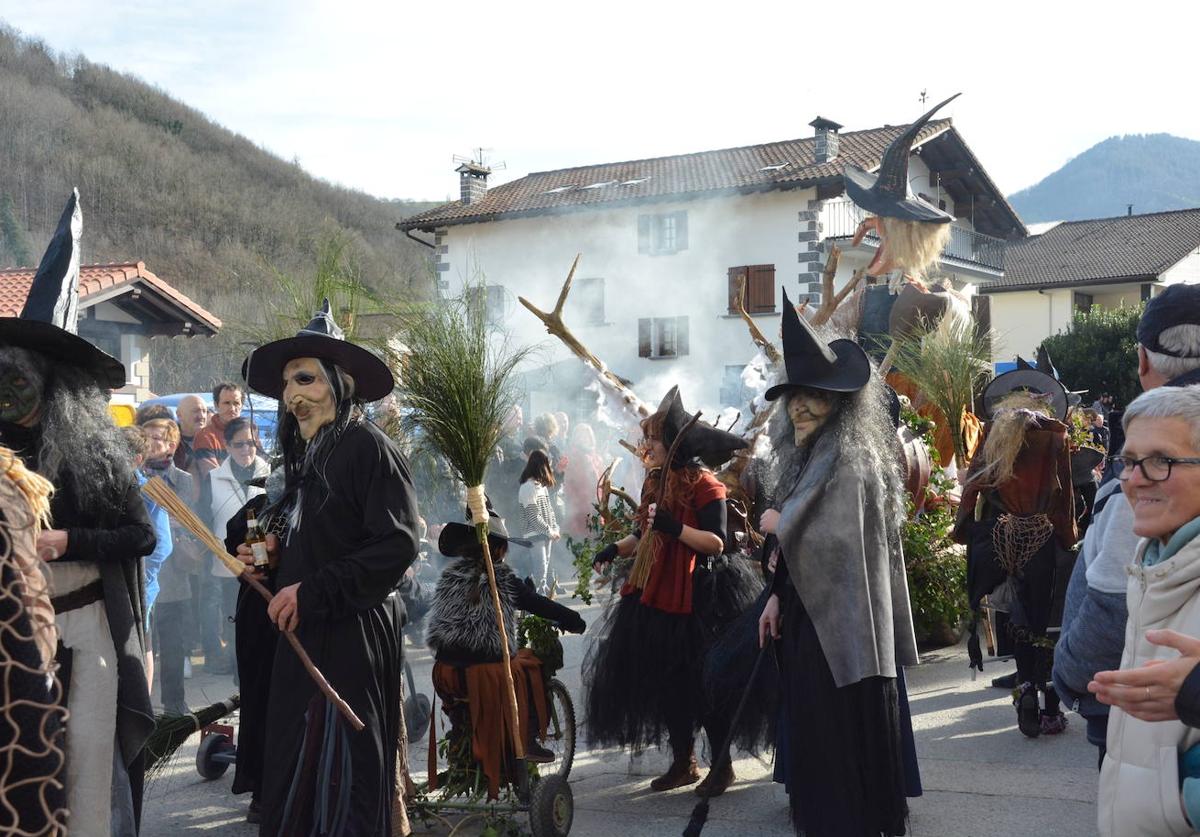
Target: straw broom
[170,731]
[639,574]
[161,493]
[457,383]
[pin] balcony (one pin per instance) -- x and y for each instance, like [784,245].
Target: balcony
[841,217]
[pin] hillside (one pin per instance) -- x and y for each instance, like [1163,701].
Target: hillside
[206,209]
[1154,172]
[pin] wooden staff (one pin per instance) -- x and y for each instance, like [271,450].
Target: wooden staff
[161,493]
[639,573]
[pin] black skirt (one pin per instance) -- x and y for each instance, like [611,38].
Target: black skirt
[839,750]
[643,675]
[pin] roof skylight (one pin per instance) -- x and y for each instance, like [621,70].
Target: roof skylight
[599,185]
[558,190]
[775,167]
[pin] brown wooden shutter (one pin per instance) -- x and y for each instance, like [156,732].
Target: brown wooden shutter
[681,336]
[760,298]
[734,274]
[681,232]
[644,337]
[644,222]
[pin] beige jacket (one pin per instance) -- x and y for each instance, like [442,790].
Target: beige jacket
[1139,780]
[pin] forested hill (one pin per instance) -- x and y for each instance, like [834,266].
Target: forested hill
[206,209]
[1154,172]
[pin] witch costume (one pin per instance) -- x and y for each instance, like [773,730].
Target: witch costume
[350,535]
[643,678]
[468,669]
[846,627]
[54,414]
[1018,524]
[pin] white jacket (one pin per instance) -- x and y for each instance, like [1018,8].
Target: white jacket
[228,496]
[1139,780]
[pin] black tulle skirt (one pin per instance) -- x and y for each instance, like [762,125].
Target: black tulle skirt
[643,675]
[728,667]
[839,750]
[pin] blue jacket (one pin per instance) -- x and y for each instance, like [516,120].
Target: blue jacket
[155,560]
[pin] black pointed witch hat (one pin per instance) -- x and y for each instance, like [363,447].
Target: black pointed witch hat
[886,192]
[1028,379]
[324,339]
[838,366]
[1074,396]
[703,441]
[49,320]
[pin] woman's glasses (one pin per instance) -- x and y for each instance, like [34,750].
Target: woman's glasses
[1154,468]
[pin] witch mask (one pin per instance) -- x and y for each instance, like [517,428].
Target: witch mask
[308,395]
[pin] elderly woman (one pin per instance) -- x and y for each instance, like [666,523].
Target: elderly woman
[1140,780]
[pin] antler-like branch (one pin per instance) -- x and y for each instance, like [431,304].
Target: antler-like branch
[555,325]
[756,334]
[829,300]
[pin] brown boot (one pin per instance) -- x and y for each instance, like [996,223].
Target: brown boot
[717,781]
[683,771]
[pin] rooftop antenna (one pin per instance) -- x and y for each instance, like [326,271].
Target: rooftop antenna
[479,158]
[924,95]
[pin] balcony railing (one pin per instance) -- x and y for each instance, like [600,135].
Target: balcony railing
[841,217]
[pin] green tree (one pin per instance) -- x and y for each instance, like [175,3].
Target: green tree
[15,248]
[1099,353]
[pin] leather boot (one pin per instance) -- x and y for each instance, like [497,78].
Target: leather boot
[716,782]
[683,771]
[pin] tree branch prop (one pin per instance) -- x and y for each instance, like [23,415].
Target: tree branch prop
[456,381]
[830,301]
[161,493]
[639,574]
[554,325]
[756,335]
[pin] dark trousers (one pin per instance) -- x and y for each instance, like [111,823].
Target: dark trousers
[170,622]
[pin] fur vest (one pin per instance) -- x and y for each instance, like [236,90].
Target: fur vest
[462,622]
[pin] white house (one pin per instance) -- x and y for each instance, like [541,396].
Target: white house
[1076,265]
[663,241]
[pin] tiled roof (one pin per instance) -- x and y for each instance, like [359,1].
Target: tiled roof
[775,165]
[1127,248]
[95,278]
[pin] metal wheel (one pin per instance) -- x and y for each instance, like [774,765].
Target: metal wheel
[417,710]
[208,766]
[551,808]
[560,732]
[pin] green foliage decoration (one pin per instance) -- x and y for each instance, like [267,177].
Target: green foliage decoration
[614,524]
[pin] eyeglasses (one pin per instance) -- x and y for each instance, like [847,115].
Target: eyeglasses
[241,445]
[1154,468]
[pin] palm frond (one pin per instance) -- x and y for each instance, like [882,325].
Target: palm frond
[948,363]
[457,382]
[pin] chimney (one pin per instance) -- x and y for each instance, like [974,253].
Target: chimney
[826,147]
[472,181]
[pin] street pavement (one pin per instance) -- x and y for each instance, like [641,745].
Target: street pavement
[981,776]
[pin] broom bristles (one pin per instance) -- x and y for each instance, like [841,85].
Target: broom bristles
[158,491]
[171,731]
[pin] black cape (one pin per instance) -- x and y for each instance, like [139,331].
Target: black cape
[356,537]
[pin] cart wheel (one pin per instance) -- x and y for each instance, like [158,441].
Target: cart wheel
[417,710]
[206,765]
[552,807]
[560,733]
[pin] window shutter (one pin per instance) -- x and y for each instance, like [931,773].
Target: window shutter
[681,235]
[644,222]
[681,336]
[760,296]
[734,274]
[644,337]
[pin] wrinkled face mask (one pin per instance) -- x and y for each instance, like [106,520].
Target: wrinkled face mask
[809,409]
[21,384]
[308,395]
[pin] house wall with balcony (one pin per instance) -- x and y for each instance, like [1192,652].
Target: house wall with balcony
[530,257]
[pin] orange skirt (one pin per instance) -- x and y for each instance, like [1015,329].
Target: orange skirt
[482,687]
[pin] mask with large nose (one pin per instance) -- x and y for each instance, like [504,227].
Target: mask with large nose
[308,395]
[809,410]
[21,383]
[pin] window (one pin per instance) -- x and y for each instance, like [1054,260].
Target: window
[589,300]
[1083,302]
[662,234]
[661,337]
[494,299]
[734,393]
[760,288]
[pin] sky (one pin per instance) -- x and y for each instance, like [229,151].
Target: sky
[381,96]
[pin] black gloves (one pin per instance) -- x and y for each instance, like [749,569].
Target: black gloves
[663,522]
[604,556]
[573,624]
